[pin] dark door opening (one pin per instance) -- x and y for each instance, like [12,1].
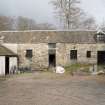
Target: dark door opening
[101,57]
[52,60]
[7,65]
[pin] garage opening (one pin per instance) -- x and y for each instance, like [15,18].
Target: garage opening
[52,60]
[7,65]
[101,57]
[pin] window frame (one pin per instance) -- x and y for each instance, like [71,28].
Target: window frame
[100,37]
[73,54]
[88,54]
[29,53]
[52,45]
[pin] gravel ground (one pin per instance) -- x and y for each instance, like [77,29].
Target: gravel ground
[52,89]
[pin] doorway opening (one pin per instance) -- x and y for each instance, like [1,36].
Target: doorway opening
[6,65]
[101,57]
[52,60]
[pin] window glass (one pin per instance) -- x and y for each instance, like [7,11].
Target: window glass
[29,53]
[88,54]
[73,54]
[52,45]
[100,37]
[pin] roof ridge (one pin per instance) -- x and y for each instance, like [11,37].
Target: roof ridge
[50,31]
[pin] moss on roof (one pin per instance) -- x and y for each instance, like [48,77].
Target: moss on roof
[49,36]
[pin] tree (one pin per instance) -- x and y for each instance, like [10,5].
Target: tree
[67,11]
[46,26]
[86,22]
[102,26]
[71,15]
[89,23]
[5,23]
[23,23]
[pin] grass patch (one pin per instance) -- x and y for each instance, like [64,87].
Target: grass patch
[77,67]
[101,67]
[2,78]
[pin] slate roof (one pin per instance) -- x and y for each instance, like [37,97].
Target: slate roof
[6,52]
[48,36]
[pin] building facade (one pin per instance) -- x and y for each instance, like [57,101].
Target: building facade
[44,49]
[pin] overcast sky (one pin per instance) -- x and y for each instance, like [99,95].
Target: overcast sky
[43,11]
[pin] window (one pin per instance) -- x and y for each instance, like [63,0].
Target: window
[73,54]
[29,53]
[100,37]
[52,45]
[52,48]
[88,54]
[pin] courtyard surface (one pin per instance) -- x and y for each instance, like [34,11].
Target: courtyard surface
[52,89]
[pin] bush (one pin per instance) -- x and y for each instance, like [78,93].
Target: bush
[101,67]
[24,69]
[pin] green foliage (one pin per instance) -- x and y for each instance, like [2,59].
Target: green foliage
[3,78]
[101,67]
[77,67]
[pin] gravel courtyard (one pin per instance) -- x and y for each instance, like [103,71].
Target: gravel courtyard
[52,89]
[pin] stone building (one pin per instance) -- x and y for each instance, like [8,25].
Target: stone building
[42,49]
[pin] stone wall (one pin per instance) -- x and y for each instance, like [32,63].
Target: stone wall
[40,55]
[63,53]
